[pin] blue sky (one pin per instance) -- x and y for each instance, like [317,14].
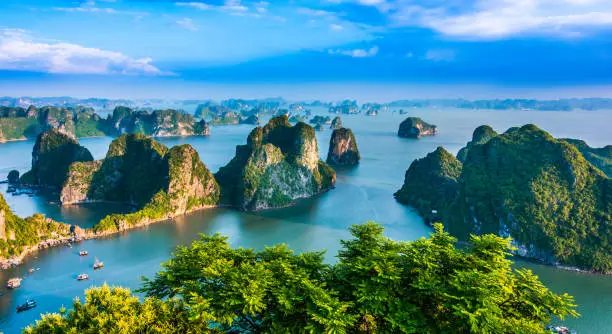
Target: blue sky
[128,48]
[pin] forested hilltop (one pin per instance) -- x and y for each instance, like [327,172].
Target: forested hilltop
[543,192]
[17,123]
[377,286]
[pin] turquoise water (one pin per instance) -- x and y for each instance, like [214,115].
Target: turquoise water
[362,193]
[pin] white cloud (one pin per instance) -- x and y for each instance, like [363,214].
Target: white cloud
[228,5]
[187,23]
[234,5]
[90,7]
[356,53]
[496,19]
[197,5]
[336,27]
[315,12]
[502,18]
[20,51]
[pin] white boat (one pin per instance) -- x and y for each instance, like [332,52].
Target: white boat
[82,277]
[14,283]
[98,264]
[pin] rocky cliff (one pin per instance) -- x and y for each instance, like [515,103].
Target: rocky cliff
[135,169]
[525,184]
[52,155]
[343,148]
[252,120]
[414,127]
[159,123]
[336,123]
[279,164]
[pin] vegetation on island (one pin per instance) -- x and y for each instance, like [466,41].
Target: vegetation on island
[599,157]
[137,170]
[481,135]
[525,184]
[414,127]
[279,164]
[159,123]
[17,233]
[317,120]
[52,155]
[377,286]
[17,123]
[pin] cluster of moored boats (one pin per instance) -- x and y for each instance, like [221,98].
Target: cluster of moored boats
[16,191]
[15,282]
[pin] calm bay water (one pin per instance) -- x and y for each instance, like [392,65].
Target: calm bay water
[362,193]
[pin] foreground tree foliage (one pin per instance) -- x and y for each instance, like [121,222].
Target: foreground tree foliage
[377,286]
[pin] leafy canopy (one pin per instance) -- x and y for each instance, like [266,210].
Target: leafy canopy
[377,286]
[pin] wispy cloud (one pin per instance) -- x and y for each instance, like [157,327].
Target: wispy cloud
[356,53]
[91,7]
[439,55]
[496,19]
[20,51]
[193,4]
[228,5]
[336,27]
[187,23]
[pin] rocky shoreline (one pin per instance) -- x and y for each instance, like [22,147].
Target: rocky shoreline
[81,234]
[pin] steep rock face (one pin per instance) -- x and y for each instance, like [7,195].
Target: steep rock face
[13,177]
[32,112]
[159,123]
[190,184]
[52,155]
[279,164]
[320,120]
[336,123]
[78,184]
[481,135]
[201,128]
[228,117]
[252,120]
[599,157]
[414,127]
[132,172]
[343,148]
[431,184]
[541,191]
[138,170]
[169,122]
[17,123]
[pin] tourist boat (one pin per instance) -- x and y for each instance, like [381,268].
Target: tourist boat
[31,270]
[29,304]
[13,283]
[98,264]
[82,277]
[83,253]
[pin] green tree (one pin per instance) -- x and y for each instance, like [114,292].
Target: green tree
[377,286]
[116,310]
